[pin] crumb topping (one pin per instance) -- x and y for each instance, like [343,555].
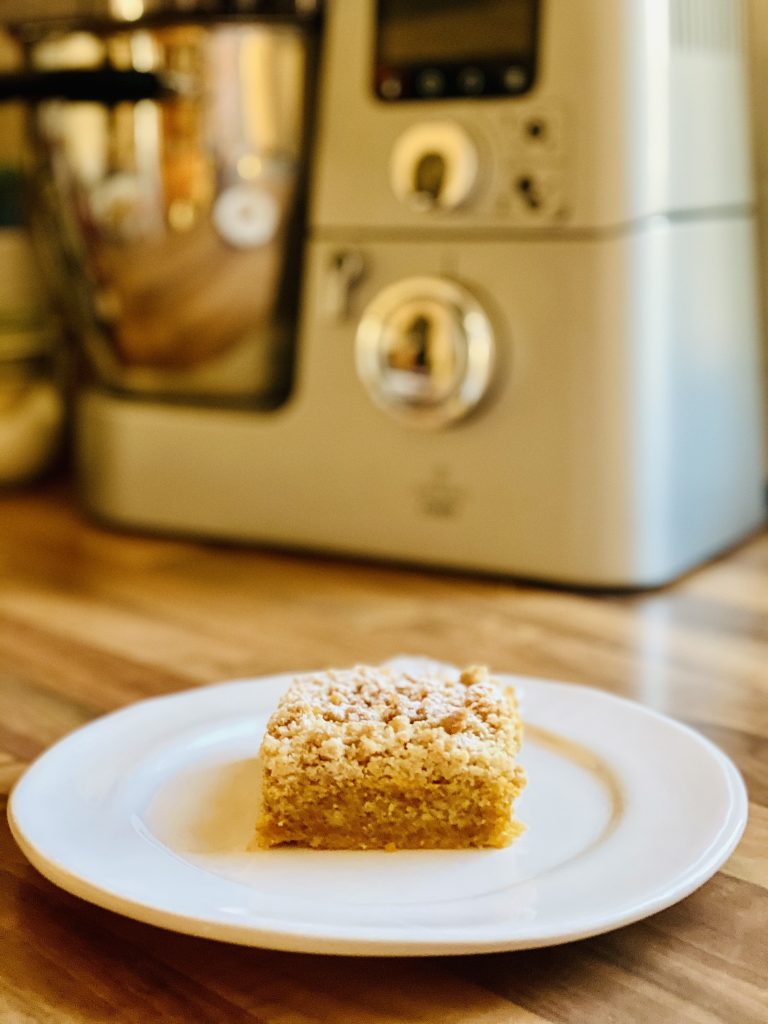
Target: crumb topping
[351,716]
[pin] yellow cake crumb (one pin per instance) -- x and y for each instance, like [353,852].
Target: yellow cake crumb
[372,758]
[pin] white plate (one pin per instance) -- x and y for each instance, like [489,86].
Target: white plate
[148,812]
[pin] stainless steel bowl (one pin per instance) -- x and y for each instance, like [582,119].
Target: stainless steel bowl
[170,157]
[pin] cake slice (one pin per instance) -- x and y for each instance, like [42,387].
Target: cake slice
[371,758]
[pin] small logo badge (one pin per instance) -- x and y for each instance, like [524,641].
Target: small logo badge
[440,497]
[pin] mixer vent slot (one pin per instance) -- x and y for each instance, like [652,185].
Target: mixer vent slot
[706,24]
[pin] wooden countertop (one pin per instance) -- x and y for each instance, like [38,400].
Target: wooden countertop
[91,620]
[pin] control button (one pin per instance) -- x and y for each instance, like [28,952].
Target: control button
[434,165]
[430,82]
[536,129]
[515,78]
[541,131]
[539,195]
[346,271]
[424,351]
[530,191]
[391,88]
[471,81]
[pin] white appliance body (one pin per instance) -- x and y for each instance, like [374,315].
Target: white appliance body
[598,220]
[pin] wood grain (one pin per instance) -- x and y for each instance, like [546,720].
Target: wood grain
[91,620]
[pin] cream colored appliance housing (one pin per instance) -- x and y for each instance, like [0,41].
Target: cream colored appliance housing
[616,440]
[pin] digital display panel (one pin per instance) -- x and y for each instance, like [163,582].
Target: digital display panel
[437,48]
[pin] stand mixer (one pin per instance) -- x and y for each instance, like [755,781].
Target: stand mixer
[528,338]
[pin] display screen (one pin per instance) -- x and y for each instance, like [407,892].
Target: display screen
[434,41]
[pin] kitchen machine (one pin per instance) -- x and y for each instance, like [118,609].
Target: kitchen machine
[514,329]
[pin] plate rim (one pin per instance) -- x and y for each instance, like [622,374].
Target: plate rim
[309,937]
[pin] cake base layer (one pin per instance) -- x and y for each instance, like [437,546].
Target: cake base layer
[437,816]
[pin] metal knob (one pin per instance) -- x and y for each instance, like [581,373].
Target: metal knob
[434,165]
[425,351]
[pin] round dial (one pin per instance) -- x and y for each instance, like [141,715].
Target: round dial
[434,165]
[425,351]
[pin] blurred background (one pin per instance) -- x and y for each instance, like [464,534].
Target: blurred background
[759,77]
[178,260]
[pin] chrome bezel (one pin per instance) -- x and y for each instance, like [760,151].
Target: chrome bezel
[477,365]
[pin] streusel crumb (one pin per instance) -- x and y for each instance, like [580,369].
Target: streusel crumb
[369,757]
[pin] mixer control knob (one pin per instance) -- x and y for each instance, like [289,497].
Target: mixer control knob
[425,351]
[434,165]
